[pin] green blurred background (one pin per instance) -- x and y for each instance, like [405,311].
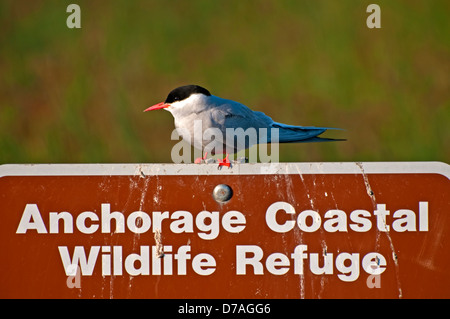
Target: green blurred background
[77,95]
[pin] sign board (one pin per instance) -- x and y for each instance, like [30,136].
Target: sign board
[289,230]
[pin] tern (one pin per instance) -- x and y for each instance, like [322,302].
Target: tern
[191,103]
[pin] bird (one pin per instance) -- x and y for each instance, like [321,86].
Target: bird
[191,103]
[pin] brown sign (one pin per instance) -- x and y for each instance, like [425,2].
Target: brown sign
[287,230]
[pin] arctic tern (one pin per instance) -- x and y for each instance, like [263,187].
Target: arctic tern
[191,103]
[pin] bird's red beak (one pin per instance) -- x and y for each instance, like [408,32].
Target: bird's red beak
[158,106]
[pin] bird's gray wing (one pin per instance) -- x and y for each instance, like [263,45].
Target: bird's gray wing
[241,123]
[231,114]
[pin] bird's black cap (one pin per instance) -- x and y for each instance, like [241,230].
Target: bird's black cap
[183,92]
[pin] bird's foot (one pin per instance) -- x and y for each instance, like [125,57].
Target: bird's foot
[224,162]
[201,159]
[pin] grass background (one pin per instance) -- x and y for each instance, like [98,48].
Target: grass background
[77,95]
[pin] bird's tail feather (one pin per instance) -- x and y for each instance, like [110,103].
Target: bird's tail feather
[316,139]
[302,134]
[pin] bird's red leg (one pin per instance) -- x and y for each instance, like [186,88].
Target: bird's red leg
[200,159]
[224,162]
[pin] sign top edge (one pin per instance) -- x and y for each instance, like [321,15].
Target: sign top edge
[143,170]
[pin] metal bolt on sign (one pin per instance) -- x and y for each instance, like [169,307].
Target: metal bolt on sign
[222,193]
